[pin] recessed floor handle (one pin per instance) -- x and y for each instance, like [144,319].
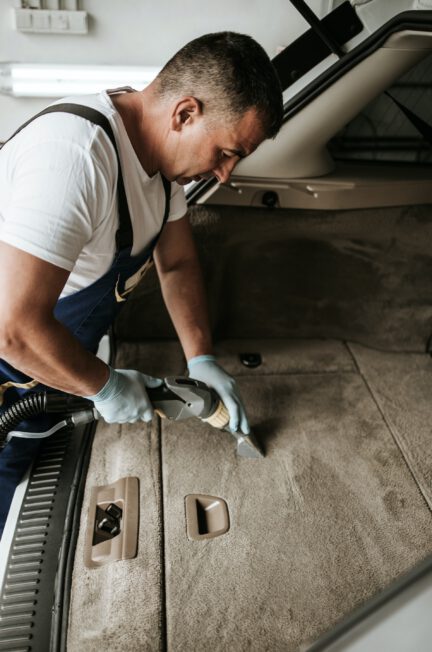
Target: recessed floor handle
[206,516]
[112,527]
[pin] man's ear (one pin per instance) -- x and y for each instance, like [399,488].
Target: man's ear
[185,112]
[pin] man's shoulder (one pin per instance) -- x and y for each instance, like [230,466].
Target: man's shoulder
[76,125]
[99,101]
[64,138]
[65,127]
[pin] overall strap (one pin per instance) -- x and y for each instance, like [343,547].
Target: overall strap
[124,234]
[167,190]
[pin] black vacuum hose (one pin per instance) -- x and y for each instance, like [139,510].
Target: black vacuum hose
[29,406]
[38,403]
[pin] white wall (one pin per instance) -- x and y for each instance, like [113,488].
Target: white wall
[144,32]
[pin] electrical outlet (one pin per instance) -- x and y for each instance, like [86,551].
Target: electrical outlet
[44,21]
[40,21]
[59,21]
[77,22]
[23,20]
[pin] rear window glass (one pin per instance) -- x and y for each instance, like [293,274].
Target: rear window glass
[382,132]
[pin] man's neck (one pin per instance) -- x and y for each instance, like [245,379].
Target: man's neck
[138,124]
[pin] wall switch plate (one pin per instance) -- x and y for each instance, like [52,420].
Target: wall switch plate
[23,20]
[40,21]
[59,21]
[45,21]
[77,22]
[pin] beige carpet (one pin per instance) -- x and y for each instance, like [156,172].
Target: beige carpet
[329,517]
[402,387]
[119,607]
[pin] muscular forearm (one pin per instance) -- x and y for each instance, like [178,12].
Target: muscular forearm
[48,352]
[183,293]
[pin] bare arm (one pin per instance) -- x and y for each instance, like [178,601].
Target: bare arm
[31,339]
[182,286]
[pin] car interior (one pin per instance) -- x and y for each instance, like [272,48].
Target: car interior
[317,261]
[328,292]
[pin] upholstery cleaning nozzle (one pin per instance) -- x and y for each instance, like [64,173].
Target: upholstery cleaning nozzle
[180,398]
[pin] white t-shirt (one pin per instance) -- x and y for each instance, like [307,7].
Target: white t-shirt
[58,192]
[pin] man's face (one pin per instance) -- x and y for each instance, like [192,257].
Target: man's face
[204,151]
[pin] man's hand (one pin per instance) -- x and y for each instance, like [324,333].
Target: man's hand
[124,399]
[206,369]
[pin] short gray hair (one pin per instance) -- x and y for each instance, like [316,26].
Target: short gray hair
[228,73]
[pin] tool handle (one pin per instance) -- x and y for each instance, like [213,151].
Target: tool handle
[161,393]
[220,417]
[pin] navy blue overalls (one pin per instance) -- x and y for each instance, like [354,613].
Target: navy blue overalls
[87,313]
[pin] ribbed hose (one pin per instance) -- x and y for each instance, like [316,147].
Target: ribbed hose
[29,406]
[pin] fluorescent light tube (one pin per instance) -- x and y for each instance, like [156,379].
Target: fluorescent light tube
[52,80]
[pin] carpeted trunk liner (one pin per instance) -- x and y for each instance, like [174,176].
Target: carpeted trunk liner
[331,515]
[326,520]
[401,385]
[120,606]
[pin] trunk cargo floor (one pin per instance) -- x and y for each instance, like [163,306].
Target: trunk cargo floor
[336,510]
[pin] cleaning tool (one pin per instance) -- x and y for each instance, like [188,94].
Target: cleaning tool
[180,398]
[177,398]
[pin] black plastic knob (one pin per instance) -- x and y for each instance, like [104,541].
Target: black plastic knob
[270,199]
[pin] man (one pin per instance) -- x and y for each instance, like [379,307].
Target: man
[72,249]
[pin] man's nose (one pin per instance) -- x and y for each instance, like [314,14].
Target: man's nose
[223,171]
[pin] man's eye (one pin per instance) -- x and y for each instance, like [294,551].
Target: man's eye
[226,154]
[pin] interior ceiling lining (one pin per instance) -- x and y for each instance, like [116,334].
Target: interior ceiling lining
[299,150]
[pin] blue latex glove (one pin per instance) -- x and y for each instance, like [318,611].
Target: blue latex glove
[123,398]
[206,369]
